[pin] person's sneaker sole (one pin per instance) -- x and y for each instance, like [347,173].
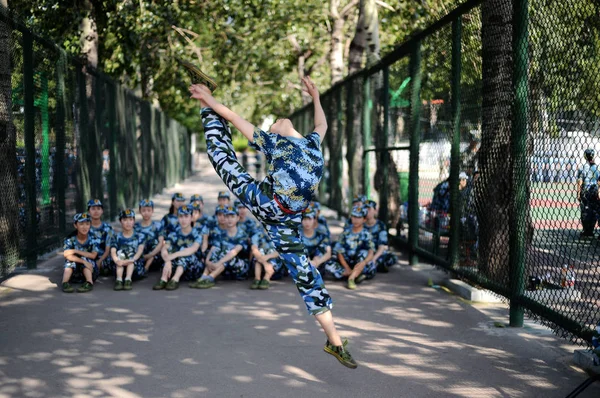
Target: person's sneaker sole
[339,358]
[197,76]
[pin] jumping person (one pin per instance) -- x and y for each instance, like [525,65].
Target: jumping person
[294,171]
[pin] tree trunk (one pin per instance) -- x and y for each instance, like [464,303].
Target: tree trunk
[91,153]
[9,199]
[354,136]
[336,54]
[494,186]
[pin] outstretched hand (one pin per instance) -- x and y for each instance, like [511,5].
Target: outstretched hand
[310,87]
[203,94]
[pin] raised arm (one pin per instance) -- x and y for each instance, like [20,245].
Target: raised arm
[202,93]
[320,120]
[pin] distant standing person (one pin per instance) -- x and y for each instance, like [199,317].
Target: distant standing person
[588,177]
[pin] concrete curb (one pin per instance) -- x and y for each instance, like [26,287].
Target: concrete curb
[469,292]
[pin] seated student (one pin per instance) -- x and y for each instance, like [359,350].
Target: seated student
[202,230]
[321,222]
[357,200]
[169,222]
[316,242]
[100,232]
[223,255]
[153,238]
[179,253]
[216,231]
[249,226]
[80,251]
[126,250]
[197,203]
[354,251]
[264,256]
[382,258]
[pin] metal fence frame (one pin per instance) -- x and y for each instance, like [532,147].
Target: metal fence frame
[411,49]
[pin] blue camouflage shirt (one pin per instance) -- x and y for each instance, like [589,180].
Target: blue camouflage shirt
[126,247]
[72,243]
[261,239]
[100,236]
[249,226]
[295,165]
[378,233]
[214,235]
[350,243]
[318,242]
[178,240]
[227,243]
[322,226]
[168,224]
[150,233]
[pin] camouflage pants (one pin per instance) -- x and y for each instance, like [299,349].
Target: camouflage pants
[386,260]
[192,267]
[138,270]
[77,275]
[236,268]
[257,196]
[336,269]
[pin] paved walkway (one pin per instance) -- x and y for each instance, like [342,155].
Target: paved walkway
[411,340]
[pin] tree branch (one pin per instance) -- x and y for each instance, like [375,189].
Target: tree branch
[346,10]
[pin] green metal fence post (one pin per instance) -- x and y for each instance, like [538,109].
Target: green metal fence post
[350,145]
[83,174]
[385,155]
[30,180]
[367,109]
[518,219]
[60,178]
[415,138]
[455,149]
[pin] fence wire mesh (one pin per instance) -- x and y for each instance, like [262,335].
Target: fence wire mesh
[66,133]
[499,103]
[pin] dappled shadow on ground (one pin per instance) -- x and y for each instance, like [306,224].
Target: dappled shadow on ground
[410,341]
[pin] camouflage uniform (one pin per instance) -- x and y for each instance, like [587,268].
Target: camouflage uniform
[100,236]
[169,224]
[151,234]
[126,250]
[380,237]
[71,243]
[261,240]
[295,168]
[355,248]
[191,264]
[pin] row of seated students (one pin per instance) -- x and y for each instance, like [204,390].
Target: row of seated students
[188,245]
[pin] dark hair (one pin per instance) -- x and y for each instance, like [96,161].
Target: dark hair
[172,208]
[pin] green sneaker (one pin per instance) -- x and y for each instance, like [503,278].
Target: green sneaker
[197,283]
[264,284]
[86,287]
[172,285]
[207,284]
[360,278]
[341,354]
[351,284]
[160,285]
[127,285]
[67,288]
[255,284]
[118,285]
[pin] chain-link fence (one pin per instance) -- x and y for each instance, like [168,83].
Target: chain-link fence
[471,136]
[69,134]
